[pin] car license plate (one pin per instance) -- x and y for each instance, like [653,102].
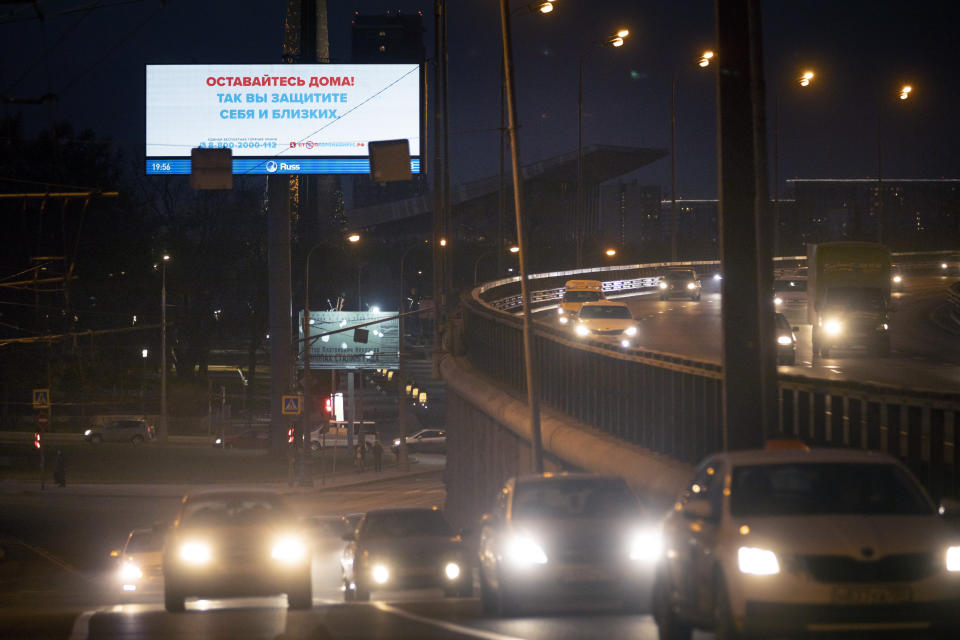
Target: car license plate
[871,595]
[582,574]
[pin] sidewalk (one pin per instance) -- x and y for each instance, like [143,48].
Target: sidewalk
[350,477]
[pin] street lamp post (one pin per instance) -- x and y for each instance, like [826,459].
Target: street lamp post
[402,459]
[143,376]
[163,349]
[904,94]
[614,40]
[476,264]
[804,80]
[303,481]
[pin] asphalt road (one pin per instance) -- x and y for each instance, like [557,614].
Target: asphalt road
[57,581]
[923,354]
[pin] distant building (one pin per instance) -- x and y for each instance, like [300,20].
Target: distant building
[912,213]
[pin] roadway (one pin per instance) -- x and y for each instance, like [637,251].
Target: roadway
[56,581]
[924,355]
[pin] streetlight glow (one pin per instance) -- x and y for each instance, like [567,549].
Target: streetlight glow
[611,252]
[443,242]
[806,78]
[546,7]
[905,92]
[514,249]
[166,257]
[705,58]
[616,41]
[354,237]
[623,33]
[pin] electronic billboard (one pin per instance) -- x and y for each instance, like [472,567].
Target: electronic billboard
[280,118]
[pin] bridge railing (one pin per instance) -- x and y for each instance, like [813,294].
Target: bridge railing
[672,404]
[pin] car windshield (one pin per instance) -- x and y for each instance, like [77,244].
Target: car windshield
[233,511]
[328,527]
[606,498]
[403,524]
[824,489]
[614,312]
[782,323]
[582,296]
[853,299]
[789,285]
[680,275]
[144,542]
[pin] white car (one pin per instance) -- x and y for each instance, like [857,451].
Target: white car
[606,319]
[794,541]
[424,441]
[139,562]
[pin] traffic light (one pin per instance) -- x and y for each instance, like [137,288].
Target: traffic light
[290,435]
[36,439]
[328,405]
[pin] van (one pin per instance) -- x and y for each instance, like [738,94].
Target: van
[575,293]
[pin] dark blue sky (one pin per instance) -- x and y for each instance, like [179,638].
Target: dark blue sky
[862,52]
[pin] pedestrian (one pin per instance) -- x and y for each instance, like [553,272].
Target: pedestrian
[60,470]
[377,455]
[358,457]
[363,454]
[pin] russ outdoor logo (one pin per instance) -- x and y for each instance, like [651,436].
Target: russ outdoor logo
[271,166]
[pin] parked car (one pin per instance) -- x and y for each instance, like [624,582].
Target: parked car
[424,441]
[793,541]
[231,543]
[566,539]
[246,439]
[408,548]
[139,561]
[126,430]
[680,282]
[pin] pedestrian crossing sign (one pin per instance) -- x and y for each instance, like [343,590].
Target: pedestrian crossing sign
[291,405]
[41,398]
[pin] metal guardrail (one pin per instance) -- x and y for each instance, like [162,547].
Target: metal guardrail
[953,300]
[672,405]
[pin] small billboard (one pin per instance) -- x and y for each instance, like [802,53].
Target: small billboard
[340,350]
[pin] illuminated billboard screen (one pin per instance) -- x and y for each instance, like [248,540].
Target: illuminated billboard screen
[340,351]
[280,118]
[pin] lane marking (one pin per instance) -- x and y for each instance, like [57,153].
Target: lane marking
[46,555]
[448,626]
[81,626]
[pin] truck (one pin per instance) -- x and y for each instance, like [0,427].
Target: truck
[848,288]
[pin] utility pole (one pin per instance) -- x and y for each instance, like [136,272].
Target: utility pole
[750,377]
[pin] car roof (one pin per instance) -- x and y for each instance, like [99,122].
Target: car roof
[804,455]
[232,493]
[409,510]
[534,478]
[605,303]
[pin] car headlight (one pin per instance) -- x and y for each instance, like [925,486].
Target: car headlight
[785,340]
[691,285]
[646,546]
[717,276]
[778,301]
[564,320]
[396,442]
[631,331]
[943,265]
[130,572]
[195,553]
[625,343]
[582,331]
[289,550]
[953,559]
[452,571]
[663,285]
[380,573]
[218,441]
[560,311]
[523,551]
[757,562]
[897,279]
[88,432]
[833,327]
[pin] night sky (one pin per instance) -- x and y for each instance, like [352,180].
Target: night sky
[861,50]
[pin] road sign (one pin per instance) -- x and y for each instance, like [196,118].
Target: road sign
[291,405]
[41,398]
[43,421]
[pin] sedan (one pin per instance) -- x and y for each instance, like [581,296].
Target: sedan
[606,319]
[407,548]
[139,561]
[247,439]
[424,441]
[132,431]
[789,541]
[680,282]
[566,540]
[231,543]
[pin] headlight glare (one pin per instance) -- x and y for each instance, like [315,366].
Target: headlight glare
[785,340]
[631,331]
[452,571]
[691,286]
[560,311]
[195,553]
[953,559]
[663,285]
[87,432]
[833,327]
[646,546]
[380,574]
[757,562]
[288,549]
[564,320]
[582,331]
[897,279]
[625,343]
[778,301]
[523,551]
[130,572]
